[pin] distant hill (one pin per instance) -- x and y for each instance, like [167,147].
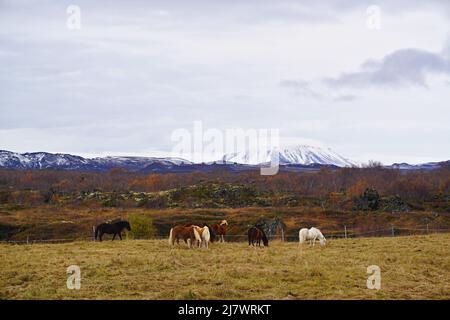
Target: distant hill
[301,158]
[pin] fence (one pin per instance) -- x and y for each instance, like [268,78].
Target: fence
[344,234]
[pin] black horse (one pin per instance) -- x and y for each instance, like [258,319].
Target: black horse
[111,228]
[257,234]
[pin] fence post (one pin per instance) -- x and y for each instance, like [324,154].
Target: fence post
[28,239]
[282,234]
[93,233]
[428,231]
[345,231]
[393,234]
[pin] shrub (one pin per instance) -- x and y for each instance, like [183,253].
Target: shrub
[369,200]
[141,227]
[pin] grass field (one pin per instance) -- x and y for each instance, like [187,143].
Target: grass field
[416,267]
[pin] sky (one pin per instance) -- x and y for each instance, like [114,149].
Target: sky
[369,79]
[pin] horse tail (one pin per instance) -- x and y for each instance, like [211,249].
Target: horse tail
[197,235]
[206,234]
[250,235]
[171,241]
[212,233]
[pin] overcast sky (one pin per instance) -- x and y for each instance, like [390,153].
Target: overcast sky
[138,70]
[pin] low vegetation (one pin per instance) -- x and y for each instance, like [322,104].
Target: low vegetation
[415,267]
[347,189]
[62,222]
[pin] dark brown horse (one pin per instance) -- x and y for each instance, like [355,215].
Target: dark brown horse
[256,235]
[111,228]
[187,233]
[220,229]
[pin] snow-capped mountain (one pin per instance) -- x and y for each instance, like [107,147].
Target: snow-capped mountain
[45,160]
[302,154]
[422,166]
[299,158]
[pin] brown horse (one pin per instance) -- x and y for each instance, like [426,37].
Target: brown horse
[188,234]
[220,229]
[257,234]
[212,233]
[205,236]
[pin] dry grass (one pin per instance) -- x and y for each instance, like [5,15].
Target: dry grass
[412,268]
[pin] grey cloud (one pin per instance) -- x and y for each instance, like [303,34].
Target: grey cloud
[305,89]
[402,67]
[300,87]
[345,98]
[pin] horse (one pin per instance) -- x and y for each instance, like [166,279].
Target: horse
[212,233]
[111,228]
[187,233]
[257,234]
[221,229]
[204,234]
[312,235]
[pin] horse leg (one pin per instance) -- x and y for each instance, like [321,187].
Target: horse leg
[114,236]
[100,236]
[120,236]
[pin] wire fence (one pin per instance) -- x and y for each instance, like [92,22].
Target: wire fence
[345,234]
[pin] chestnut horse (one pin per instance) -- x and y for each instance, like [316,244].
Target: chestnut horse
[205,236]
[257,234]
[188,234]
[206,233]
[221,229]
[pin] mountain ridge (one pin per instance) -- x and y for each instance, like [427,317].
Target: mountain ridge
[304,160]
[300,154]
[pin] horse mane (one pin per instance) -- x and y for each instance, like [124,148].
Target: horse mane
[113,221]
[121,222]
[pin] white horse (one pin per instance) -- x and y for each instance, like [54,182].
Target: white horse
[203,235]
[312,235]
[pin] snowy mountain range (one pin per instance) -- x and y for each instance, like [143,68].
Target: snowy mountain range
[298,158]
[302,154]
[60,161]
